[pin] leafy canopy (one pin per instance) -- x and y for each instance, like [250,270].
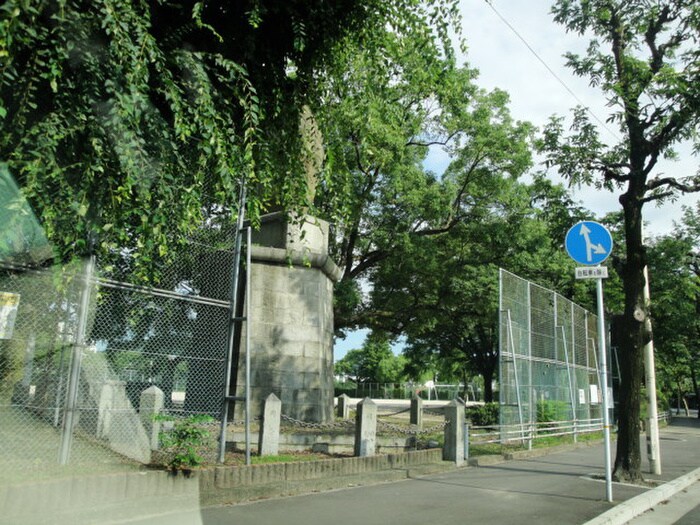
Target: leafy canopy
[136,122]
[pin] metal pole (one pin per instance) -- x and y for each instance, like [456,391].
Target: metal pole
[653,448]
[604,378]
[572,396]
[75,364]
[248,298]
[515,376]
[532,404]
[232,323]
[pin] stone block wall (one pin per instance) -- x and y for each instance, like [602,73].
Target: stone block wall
[291,320]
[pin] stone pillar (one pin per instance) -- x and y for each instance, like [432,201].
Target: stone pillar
[343,408]
[454,433]
[269,437]
[366,428]
[112,398]
[416,411]
[291,319]
[151,404]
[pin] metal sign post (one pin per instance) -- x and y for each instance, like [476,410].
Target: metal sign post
[604,379]
[590,243]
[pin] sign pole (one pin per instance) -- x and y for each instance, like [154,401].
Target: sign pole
[653,448]
[604,379]
[590,243]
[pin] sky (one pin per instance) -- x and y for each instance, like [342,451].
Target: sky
[504,61]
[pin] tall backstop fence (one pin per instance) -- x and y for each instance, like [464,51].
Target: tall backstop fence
[80,344]
[548,359]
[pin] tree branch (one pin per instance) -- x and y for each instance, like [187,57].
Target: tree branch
[672,183]
[433,142]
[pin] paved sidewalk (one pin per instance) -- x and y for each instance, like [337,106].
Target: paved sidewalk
[557,489]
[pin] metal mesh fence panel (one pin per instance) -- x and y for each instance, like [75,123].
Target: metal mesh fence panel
[547,368]
[80,344]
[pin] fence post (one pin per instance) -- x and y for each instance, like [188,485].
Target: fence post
[151,403]
[71,412]
[416,410]
[366,428]
[269,441]
[454,440]
[343,409]
[466,440]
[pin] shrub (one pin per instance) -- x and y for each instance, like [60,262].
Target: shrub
[548,411]
[485,415]
[186,441]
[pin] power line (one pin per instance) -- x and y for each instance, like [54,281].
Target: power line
[551,71]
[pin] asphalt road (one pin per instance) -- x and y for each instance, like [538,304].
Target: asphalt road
[558,489]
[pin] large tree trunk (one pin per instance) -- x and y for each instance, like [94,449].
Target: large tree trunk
[632,338]
[488,387]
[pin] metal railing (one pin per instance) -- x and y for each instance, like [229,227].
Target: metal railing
[512,434]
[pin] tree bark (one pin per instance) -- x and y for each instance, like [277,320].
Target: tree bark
[488,389]
[632,340]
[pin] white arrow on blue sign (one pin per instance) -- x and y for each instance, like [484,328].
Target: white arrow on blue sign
[588,242]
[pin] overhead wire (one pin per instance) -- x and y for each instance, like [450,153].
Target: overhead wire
[551,71]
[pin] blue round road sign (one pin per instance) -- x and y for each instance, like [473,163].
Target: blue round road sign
[588,242]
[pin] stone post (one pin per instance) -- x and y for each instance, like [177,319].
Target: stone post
[269,439]
[416,411]
[454,433]
[112,399]
[366,428]
[150,404]
[343,408]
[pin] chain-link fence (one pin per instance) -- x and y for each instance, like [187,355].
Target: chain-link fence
[548,361]
[79,344]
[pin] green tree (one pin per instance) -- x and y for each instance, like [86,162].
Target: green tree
[137,121]
[380,110]
[642,55]
[675,298]
[374,362]
[443,292]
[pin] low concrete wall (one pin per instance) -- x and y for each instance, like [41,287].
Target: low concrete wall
[124,496]
[328,443]
[242,483]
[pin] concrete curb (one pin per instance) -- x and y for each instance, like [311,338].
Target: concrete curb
[630,509]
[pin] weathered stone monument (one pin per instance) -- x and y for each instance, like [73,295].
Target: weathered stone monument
[291,304]
[291,319]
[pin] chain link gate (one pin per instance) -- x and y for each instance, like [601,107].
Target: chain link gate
[70,392]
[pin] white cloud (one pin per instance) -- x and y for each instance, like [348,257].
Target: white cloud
[504,61]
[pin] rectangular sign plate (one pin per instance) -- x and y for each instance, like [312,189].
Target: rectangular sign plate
[592,272]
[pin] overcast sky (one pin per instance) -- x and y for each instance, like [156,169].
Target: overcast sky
[504,61]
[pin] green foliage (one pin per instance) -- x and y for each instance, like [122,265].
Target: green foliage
[550,411]
[185,443]
[348,388]
[134,123]
[443,290]
[485,415]
[643,56]
[675,302]
[373,363]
